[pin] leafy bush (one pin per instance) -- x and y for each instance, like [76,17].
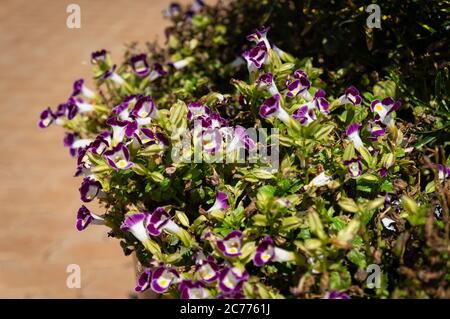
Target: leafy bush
[161,147]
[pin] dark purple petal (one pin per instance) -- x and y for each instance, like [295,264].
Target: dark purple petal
[84,218]
[353,129]
[46,119]
[140,65]
[270,106]
[265,252]
[89,189]
[231,245]
[143,282]
[132,220]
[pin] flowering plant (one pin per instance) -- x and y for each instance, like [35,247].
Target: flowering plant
[271,189]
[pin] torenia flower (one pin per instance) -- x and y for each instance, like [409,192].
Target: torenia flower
[272,108]
[351,95]
[162,277]
[299,87]
[86,217]
[211,140]
[140,65]
[196,110]
[377,129]
[304,115]
[240,138]
[384,109]
[193,290]
[207,269]
[320,102]
[47,118]
[267,252]
[74,144]
[111,74]
[256,57]
[388,223]
[259,36]
[99,56]
[336,295]
[101,143]
[352,133]
[172,10]
[232,278]
[161,220]
[120,129]
[80,88]
[123,109]
[135,225]
[354,167]
[144,110]
[81,106]
[320,180]
[181,64]
[143,282]
[231,244]
[266,81]
[89,189]
[118,157]
[221,202]
[157,72]
[443,172]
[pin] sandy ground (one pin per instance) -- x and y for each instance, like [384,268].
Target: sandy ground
[40,58]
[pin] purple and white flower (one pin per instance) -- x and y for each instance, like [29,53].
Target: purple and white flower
[377,129]
[351,95]
[89,189]
[211,140]
[144,279]
[86,217]
[336,295]
[240,138]
[123,109]
[388,223]
[193,290]
[135,224]
[443,172]
[118,157]
[304,115]
[162,277]
[207,269]
[259,36]
[267,252]
[99,56]
[352,133]
[231,244]
[113,76]
[144,110]
[46,119]
[73,143]
[256,57]
[101,143]
[232,278]
[80,88]
[157,72]
[221,202]
[181,64]
[320,102]
[120,129]
[196,110]
[272,108]
[160,220]
[172,10]
[266,81]
[354,166]
[140,65]
[299,87]
[81,106]
[385,109]
[320,180]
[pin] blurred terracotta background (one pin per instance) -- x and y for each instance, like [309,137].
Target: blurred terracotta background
[39,198]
